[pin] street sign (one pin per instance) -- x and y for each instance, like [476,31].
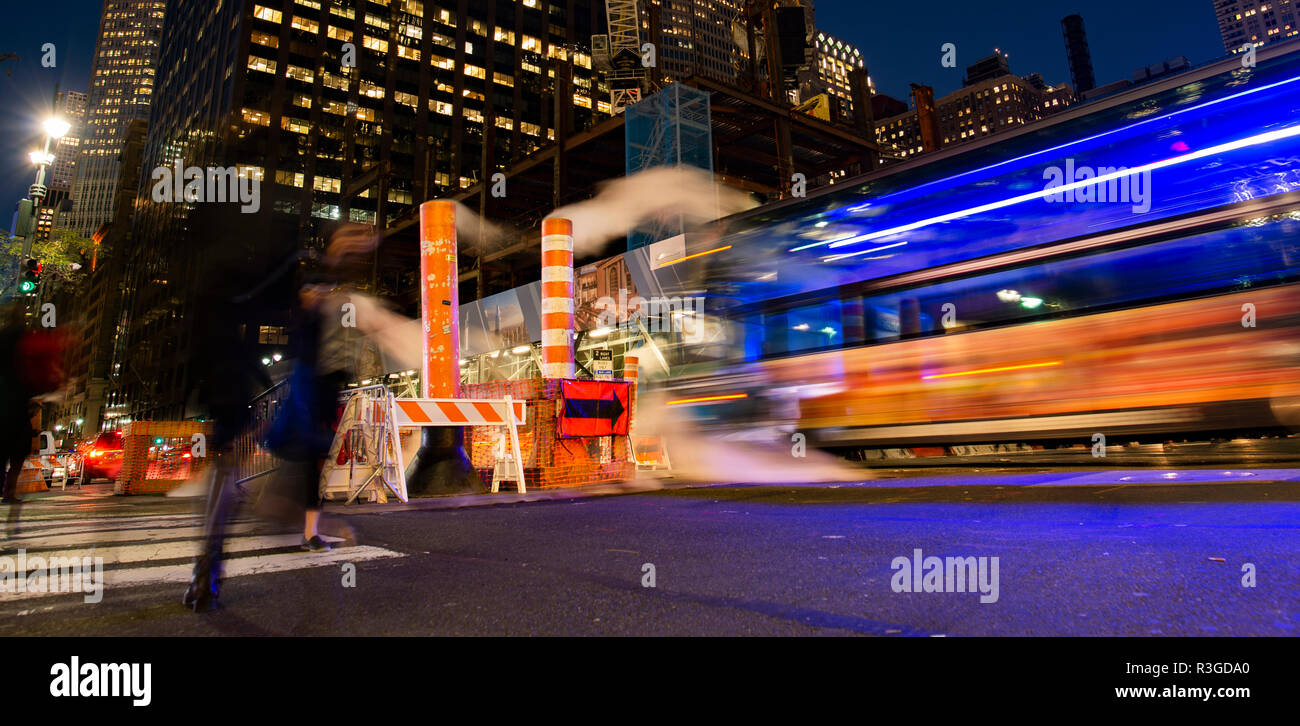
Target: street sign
[602,366]
[594,408]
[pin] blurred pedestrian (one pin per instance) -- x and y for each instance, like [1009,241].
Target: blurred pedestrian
[15,427]
[31,365]
[239,294]
[304,433]
[234,293]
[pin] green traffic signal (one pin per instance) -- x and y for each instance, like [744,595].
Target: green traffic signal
[31,273]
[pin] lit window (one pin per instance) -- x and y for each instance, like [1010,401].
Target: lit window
[299,73]
[261,64]
[298,126]
[262,13]
[265,39]
[325,184]
[289,178]
[261,118]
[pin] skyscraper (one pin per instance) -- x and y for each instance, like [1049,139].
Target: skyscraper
[834,63]
[121,89]
[1251,21]
[71,107]
[695,37]
[342,111]
[1077,53]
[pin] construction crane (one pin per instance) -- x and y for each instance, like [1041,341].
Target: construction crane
[618,54]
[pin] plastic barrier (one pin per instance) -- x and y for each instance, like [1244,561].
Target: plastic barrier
[158,456]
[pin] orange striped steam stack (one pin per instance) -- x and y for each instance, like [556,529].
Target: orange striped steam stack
[631,363]
[557,298]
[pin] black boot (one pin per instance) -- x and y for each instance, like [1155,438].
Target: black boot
[205,585]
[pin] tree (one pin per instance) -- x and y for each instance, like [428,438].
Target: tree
[63,257]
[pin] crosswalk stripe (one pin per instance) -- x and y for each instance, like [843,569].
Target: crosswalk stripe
[44,541]
[236,567]
[28,529]
[127,543]
[115,555]
[242,566]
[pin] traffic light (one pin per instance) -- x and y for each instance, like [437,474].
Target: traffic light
[30,278]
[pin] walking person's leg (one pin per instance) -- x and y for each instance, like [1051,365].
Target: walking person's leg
[231,418]
[15,463]
[327,393]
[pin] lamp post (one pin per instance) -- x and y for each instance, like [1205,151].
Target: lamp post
[55,129]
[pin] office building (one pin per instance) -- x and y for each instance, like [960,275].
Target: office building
[121,90]
[1254,21]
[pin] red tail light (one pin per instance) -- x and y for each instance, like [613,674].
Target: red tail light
[95,453]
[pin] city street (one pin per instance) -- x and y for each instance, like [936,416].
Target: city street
[1081,552]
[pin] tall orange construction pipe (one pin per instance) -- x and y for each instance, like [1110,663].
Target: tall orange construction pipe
[557,298]
[441,465]
[439,299]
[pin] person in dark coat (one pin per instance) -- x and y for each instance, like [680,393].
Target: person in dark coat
[239,262]
[15,422]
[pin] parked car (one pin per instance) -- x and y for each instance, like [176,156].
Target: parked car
[103,460]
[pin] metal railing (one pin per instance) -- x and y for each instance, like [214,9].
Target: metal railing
[253,459]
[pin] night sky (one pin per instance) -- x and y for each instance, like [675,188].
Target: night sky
[901,41]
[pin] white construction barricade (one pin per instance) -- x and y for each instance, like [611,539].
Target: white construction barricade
[366,456]
[505,412]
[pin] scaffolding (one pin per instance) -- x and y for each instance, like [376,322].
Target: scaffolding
[671,128]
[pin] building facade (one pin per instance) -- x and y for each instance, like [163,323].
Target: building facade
[834,62]
[696,37]
[1255,21]
[341,111]
[71,107]
[121,90]
[975,111]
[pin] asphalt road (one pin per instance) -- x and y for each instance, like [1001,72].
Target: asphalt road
[1079,553]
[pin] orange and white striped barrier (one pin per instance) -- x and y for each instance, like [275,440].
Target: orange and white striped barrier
[458,412]
[512,414]
[557,298]
[652,454]
[631,374]
[30,478]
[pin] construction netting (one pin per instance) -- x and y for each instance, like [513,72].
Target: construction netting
[550,462]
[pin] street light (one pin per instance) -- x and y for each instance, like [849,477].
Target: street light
[56,127]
